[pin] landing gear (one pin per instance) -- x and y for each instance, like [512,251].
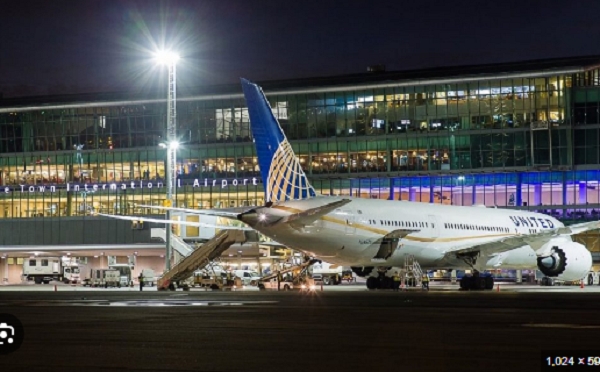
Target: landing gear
[372,282]
[489,282]
[476,282]
[546,281]
[381,282]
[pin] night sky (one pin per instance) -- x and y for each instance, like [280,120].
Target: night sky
[75,46]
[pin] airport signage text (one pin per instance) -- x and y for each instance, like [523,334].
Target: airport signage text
[131,185]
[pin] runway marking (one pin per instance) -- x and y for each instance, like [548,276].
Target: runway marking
[559,325]
[146,303]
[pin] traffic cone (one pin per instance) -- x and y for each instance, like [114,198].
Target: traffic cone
[498,288]
[581,285]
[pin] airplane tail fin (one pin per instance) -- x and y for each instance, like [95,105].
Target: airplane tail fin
[282,175]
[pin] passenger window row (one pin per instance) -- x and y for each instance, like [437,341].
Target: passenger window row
[462,226]
[400,223]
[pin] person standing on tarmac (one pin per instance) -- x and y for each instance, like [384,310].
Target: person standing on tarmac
[425,282]
[396,279]
[141,279]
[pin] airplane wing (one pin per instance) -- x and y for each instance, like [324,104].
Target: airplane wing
[232,213]
[174,222]
[311,215]
[535,241]
[578,228]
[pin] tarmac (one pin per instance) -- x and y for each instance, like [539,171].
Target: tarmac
[340,328]
[344,287]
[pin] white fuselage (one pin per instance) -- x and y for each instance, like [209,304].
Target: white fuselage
[352,234]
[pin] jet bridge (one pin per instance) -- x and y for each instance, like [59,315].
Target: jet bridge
[201,257]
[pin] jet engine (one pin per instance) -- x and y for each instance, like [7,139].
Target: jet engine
[566,261]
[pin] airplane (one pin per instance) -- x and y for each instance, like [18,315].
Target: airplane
[375,236]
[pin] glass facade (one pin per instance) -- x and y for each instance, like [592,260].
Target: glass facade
[506,140]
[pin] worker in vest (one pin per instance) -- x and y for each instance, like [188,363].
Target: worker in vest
[396,279]
[141,279]
[425,282]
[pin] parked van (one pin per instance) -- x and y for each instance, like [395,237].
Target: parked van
[248,277]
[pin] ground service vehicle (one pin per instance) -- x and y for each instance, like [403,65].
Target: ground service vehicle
[125,271]
[272,284]
[592,278]
[105,278]
[301,283]
[248,277]
[46,269]
[149,277]
[328,273]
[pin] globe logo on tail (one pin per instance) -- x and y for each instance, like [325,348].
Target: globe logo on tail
[287,180]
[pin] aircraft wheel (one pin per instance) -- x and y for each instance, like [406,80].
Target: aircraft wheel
[387,283]
[489,282]
[479,283]
[326,280]
[372,282]
[465,283]
[286,287]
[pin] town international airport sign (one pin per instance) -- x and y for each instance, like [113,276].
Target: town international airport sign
[131,185]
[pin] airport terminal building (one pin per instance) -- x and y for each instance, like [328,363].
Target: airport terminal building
[519,135]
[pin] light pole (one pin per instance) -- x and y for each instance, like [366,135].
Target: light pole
[170,60]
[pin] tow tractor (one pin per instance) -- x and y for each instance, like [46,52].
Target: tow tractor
[216,281]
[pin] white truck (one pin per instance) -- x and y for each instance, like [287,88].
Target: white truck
[126,273]
[328,273]
[149,277]
[248,277]
[45,269]
[105,278]
[592,278]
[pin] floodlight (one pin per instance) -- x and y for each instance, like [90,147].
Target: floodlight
[166,57]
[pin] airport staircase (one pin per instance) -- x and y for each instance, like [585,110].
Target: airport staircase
[412,269]
[201,257]
[177,243]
